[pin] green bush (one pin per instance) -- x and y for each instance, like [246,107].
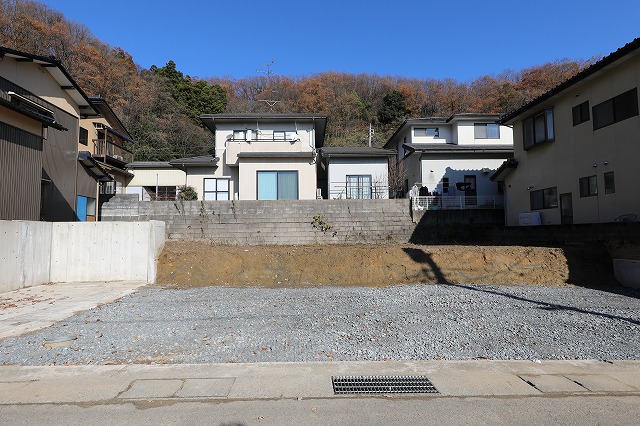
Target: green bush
[187,193]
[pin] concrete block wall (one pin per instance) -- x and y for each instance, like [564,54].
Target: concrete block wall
[272,222]
[34,253]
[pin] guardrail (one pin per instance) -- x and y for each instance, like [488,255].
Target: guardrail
[439,202]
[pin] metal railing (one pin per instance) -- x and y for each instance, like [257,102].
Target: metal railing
[439,202]
[344,190]
[108,148]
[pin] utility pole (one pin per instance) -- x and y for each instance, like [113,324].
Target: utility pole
[370,134]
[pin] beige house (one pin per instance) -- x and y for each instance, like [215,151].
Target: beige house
[265,156]
[42,175]
[107,141]
[577,148]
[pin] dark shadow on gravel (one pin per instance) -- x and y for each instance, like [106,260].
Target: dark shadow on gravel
[419,256]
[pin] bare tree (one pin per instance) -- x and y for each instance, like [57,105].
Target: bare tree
[397,177]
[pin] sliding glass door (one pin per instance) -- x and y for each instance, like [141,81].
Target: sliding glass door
[278,185]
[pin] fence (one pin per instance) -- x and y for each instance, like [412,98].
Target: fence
[438,202]
[353,191]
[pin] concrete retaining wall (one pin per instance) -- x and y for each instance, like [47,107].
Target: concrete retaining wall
[34,253]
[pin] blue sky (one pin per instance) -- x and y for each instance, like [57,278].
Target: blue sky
[420,39]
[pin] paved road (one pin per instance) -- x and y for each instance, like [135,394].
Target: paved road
[578,411]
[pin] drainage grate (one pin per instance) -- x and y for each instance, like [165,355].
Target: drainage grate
[382,384]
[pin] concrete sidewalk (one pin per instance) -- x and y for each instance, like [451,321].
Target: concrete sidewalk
[269,381]
[33,308]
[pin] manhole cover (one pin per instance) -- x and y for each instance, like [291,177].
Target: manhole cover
[382,384]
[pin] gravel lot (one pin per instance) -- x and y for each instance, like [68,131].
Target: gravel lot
[221,324]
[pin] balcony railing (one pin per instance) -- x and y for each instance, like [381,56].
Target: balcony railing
[344,190]
[439,202]
[107,148]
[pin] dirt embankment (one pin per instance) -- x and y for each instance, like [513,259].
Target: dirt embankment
[192,264]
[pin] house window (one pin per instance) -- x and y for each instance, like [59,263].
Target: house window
[615,109]
[538,128]
[84,136]
[107,187]
[609,183]
[580,113]
[239,135]
[278,185]
[281,135]
[544,199]
[427,131]
[359,187]
[588,186]
[216,189]
[486,131]
[445,185]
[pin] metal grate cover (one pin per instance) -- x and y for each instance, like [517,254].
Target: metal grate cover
[382,384]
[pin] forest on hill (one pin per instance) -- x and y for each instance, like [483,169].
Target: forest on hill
[160,106]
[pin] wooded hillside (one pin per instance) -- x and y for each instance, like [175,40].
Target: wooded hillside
[160,106]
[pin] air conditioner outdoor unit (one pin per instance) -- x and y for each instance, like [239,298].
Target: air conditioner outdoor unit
[530,219]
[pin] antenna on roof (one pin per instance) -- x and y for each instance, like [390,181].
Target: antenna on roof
[268,73]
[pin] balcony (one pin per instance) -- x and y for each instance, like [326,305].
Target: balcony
[235,147]
[111,153]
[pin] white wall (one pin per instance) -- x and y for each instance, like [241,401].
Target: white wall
[466,135]
[433,170]
[34,253]
[339,168]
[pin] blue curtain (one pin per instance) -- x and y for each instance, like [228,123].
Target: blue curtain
[278,185]
[267,185]
[287,185]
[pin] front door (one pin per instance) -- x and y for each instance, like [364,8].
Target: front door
[566,209]
[470,193]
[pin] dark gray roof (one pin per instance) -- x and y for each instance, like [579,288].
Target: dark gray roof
[93,167]
[307,154]
[585,74]
[447,147]
[101,105]
[504,169]
[199,161]
[355,151]
[149,165]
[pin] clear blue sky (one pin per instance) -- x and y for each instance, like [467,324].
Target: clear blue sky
[421,39]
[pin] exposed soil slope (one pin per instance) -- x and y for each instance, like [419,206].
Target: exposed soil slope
[193,264]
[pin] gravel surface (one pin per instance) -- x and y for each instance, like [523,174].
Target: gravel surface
[220,324]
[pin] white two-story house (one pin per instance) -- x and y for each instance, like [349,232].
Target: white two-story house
[265,156]
[454,156]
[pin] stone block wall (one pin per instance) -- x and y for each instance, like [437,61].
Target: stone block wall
[272,222]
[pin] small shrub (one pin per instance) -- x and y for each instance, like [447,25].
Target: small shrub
[187,193]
